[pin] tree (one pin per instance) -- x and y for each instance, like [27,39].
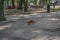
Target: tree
[13,6]
[26,6]
[7,2]
[2,18]
[42,3]
[20,5]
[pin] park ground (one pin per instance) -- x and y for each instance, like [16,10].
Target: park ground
[46,27]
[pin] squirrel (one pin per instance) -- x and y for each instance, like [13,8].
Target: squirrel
[30,22]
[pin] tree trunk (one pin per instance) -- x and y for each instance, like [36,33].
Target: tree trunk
[20,5]
[25,3]
[35,2]
[42,3]
[7,2]
[13,6]
[2,18]
[26,6]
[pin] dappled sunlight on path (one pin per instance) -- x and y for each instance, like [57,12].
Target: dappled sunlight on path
[4,27]
[44,28]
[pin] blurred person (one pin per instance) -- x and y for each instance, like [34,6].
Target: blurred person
[53,3]
[31,5]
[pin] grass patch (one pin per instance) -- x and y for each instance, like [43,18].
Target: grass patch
[14,12]
[11,11]
[55,9]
